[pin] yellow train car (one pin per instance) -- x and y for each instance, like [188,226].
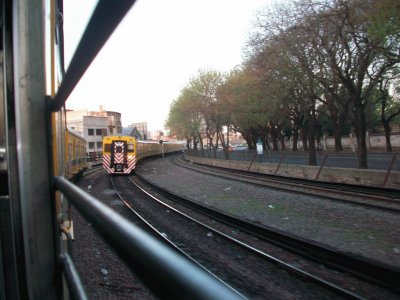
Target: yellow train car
[122,153]
[74,155]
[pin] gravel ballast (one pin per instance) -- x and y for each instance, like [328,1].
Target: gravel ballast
[364,231]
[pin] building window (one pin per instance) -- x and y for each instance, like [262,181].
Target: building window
[90,131]
[99,145]
[91,145]
[98,131]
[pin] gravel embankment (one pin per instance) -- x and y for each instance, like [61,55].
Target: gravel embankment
[367,232]
[103,274]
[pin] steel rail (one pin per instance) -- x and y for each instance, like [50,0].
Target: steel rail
[303,186]
[367,190]
[163,236]
[305,275]
[369,270]
[160,268]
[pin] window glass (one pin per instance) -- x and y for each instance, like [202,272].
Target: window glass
[119,149]
[99,145]
[90,131]
[98,131]
[130,147]
[91,145]
[107,148]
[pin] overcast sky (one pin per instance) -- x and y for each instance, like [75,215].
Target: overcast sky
[155,51]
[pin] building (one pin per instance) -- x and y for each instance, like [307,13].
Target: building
[139,130]
[113,119]
[93,126]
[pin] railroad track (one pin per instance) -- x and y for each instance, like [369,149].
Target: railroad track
[375,197]
[315,279]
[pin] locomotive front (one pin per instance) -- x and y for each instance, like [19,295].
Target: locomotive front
[119,154]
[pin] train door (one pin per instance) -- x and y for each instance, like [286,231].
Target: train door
[119,156]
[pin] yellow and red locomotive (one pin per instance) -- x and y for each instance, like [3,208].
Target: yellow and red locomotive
[121,153]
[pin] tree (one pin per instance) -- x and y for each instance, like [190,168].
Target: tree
[244,99]
[203,91]
[360,57]
[183,120]
[342,49]
[389,110]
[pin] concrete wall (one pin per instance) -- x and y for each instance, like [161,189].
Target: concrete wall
[375,142]
[342,175]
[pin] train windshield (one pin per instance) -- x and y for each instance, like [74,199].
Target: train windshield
[107,148]
[130,147]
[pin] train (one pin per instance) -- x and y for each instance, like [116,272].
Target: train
[74,155]
[122,153]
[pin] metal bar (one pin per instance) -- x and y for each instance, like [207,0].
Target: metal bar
[72,277]
[322,165]
[36,221]
[165,272]
[106,17]
[69,238]
[389,169]
[279,164]
[252,161]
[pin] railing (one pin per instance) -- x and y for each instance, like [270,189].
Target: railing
[165,272]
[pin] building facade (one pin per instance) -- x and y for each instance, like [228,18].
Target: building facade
[141,128]
[93,126]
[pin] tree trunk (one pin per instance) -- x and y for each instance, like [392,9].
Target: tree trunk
[223,144]
[304,133]
[337,131]
[187,144]
[274,139]
[295,132]
[215,147]
[312,154]
[227,141]
[266,143]
[280,136]
[388,129]
[195,143]
[361,131]
[249,142]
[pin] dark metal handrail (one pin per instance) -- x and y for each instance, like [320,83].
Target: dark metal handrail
[106,17]
[72,277]
[166,273]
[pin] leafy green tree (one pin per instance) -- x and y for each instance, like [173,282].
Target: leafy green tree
[242,95]
[183,120]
